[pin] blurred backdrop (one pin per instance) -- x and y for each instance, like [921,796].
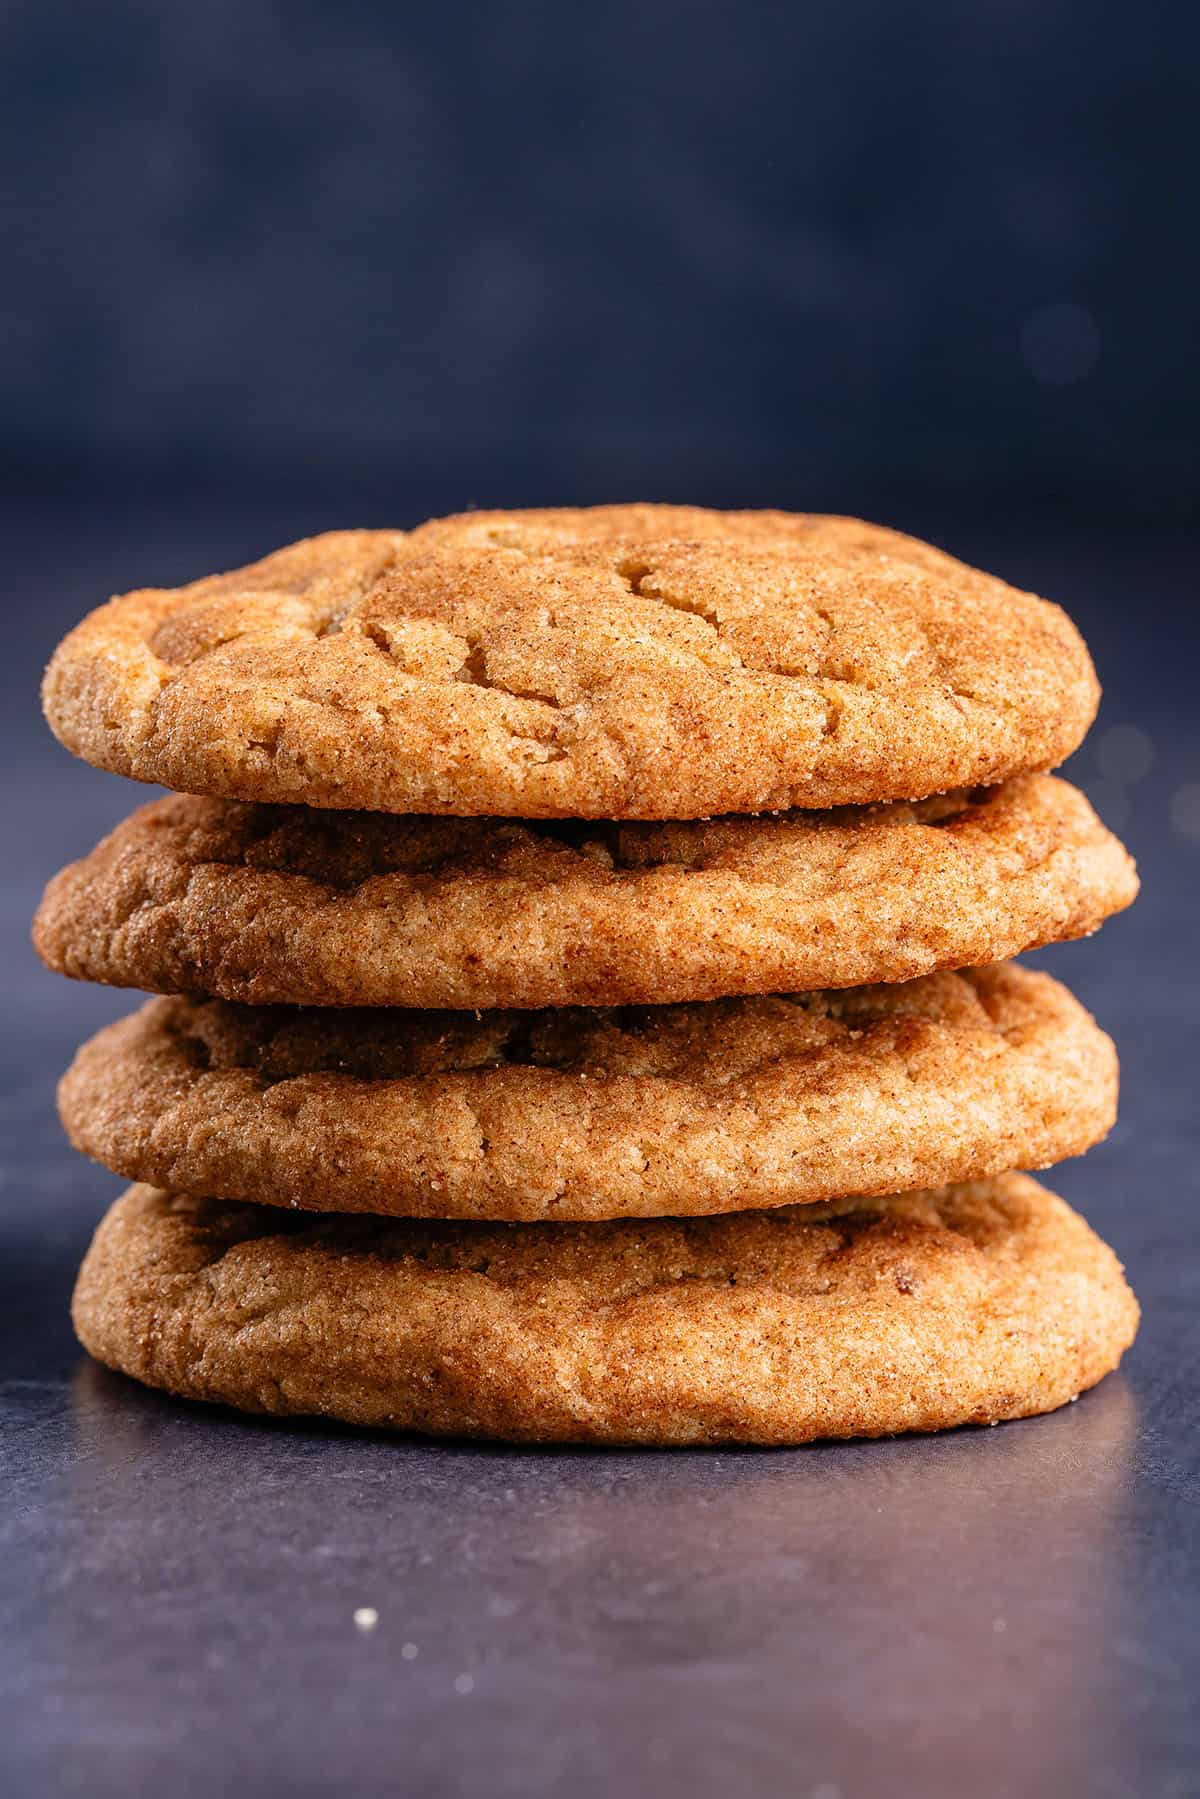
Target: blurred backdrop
[856,254]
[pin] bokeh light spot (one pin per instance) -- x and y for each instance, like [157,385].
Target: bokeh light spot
[1185,810]
[1124,753]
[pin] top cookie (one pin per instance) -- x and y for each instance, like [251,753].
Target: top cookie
[618,661]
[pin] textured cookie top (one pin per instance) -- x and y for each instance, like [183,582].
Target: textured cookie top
[675,1110]
[619,662]
[280,904]
[967,1305]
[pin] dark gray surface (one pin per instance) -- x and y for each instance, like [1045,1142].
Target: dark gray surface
[1000,1612]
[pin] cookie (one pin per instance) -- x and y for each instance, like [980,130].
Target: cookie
[619,662]
[675,1110]
[283,905]
[965,1305]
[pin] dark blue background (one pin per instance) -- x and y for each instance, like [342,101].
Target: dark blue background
[834,255]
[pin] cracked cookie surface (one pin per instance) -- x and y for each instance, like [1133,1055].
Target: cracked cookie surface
[965,1305]
[662,1110]
[618,662]
[277,904]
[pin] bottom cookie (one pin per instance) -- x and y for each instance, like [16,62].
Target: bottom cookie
[961,1305]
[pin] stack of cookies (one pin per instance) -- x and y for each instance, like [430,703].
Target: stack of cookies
[586,1012]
